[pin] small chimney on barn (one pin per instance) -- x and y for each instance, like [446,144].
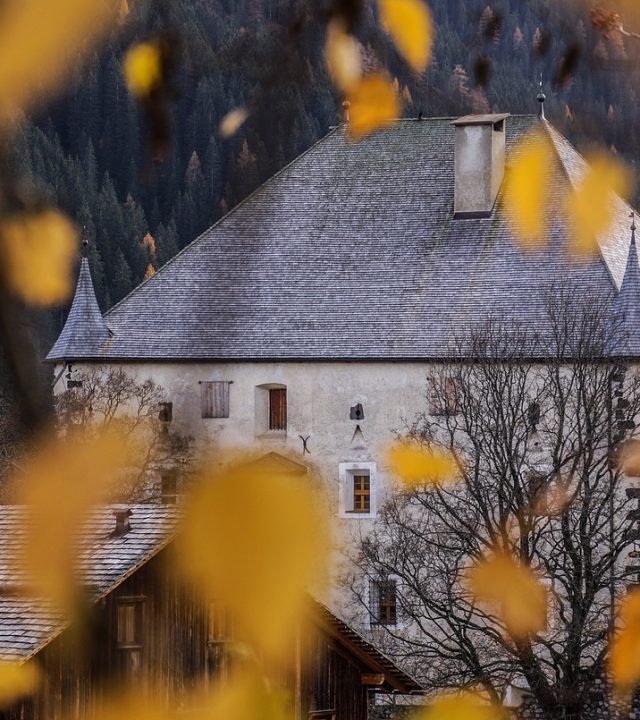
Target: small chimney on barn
[122,522]
[479,163]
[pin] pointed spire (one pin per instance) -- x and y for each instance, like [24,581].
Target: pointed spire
[541,98]
[626,306]
[85,330]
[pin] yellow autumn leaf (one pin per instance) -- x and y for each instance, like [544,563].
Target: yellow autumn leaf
[520,599]
[59,484]
[16,681]
[232,122]
[526,190]
[342,55]
[417,465]
[624,650]
[40,41]
[462,706]
[373,104]
[591,205]
[38,251]
[256,543]
[143,68]
[409,24]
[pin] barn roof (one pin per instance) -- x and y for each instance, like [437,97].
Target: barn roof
[352,252]
[28,622]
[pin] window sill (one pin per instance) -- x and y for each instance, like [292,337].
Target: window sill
[352,515]
[273,435]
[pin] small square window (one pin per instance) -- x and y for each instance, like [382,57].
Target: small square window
[357,496]
[72,384]
[443,397]
[382,602]
[165,411]
[129,623]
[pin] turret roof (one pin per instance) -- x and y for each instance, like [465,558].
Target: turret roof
[85,330]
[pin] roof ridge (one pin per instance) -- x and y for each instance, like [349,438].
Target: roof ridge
[242,202]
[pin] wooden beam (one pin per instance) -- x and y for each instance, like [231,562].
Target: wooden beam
[373,679]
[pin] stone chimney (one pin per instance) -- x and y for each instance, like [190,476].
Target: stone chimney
[479,163]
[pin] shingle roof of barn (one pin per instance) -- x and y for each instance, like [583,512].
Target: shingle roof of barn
[352,252]
[28,622]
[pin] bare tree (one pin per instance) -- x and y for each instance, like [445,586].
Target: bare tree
[110,399]
[535,443]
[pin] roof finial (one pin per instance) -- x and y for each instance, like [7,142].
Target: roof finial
[541,98]
[346,106]
[85,243]
[632,215]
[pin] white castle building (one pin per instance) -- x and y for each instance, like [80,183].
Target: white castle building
[305,323]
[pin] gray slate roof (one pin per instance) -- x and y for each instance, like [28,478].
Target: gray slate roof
[626,308]
[352,252]
[27,623]
[85,330]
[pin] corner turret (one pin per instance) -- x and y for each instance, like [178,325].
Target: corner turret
[85,330]
[626,306]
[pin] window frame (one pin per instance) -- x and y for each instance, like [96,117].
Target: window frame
[374,605]
[263,411]
[347,472]
[136,603]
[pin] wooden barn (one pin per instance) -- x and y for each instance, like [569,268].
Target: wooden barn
[145,627]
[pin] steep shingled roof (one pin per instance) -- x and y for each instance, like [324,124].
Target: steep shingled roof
[626,308]
[28,623]
[351,252]
[85,330]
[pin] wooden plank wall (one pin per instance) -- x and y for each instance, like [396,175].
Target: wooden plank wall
[80,670]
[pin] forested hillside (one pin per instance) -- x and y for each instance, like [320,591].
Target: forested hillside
[89,149]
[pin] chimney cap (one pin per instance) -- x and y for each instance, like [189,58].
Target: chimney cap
[480,119]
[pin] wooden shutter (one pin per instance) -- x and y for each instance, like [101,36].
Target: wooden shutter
[214,399]
[278,409]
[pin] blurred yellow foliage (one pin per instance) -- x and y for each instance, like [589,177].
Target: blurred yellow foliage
[409,24]
[624,651]
[16,681]
[232,121]
[39,249]
[256,543]
[374,104]
[526,190]
[591,205]
[39,41]
[416,465]
[247,696]
[520,598]
[143,68]
[342,54]
[463,706]
[60,483]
